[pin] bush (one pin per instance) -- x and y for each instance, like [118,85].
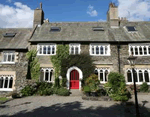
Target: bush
[28,90]
[144,87]
[57,83]
[86,89]
[62,91]
[64,81]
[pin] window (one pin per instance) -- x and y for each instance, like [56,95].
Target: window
[100,49]
[102,74]
[47,74]
[55,29]
[98,29]
[139,49]
[74,48]
[6,82]
[131,28]
[8,57]
[46,49]
[9,34]
[140,75]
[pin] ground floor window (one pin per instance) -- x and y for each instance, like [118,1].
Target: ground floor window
[140,75]
[102,74]
[46,74]
[6,82]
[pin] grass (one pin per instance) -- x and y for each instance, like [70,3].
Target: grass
[3,99]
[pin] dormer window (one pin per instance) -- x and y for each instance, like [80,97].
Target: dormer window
[131,28]
[98,29]
[55,29]
[9,34]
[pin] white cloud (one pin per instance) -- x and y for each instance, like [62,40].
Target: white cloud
[9,1]
[134,10]
[91,11]
[101,20]
[20,16]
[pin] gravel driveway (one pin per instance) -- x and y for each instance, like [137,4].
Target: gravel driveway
[59,106]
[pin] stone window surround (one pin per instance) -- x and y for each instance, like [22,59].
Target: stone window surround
[7,52]
[100,44]
[137,71]
[138,45]
[49,70]
[46,44]
[10,73]
[74,45]
[103,69]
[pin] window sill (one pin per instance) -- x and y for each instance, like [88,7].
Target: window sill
[7,63]
[46,54]
[138,83]
[140,55]
[5,89]
[99,55]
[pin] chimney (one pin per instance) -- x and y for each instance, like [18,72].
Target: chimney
[112,16]
[38,16]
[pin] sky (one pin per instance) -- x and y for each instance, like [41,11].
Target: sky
[19,13]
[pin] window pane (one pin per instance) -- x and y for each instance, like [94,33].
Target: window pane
[40,50]
[129,77]
[136,51]
[92,49]
[131,50]
[146,76]
[72,50]
[96,72]
[50,76]
[53,50]
[10,82]
[44,50]
[97,50]
[140,76]
[6,82]
[145,50]
[106,73]
[5,56]
[46,75]
[102,50]
[76,50]
[140,49]
[101,75]
[49,50]
[149,49]
[1,82]
[9,57]
[13,58]
[106,50]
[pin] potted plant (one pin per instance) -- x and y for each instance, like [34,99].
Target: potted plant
[87,90]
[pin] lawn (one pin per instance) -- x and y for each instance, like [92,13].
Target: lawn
[2,99]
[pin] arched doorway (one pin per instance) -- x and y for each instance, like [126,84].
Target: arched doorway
[74,73]
[74,79]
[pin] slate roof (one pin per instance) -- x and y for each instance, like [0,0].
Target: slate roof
[19,41]
[82,31]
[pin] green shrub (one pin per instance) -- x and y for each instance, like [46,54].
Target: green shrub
[86,89]
[28,90]
[64,81]
[117,90]
[62,91]
[144,87]
[57,83]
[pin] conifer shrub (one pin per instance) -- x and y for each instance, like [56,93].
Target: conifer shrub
[144,87]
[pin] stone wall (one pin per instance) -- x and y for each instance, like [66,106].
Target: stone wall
[20,68]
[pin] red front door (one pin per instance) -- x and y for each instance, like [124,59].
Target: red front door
[74,79]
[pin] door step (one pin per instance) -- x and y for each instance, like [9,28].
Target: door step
[75,92]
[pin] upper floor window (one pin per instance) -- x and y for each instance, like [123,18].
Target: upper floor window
[100,49]
[74,48]
[46,49]
[6,82]
[139,50]
[8,57]
[131,28]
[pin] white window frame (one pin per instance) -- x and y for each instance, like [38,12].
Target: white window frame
[138,45]
[49,71]
[137,71]
[104,45]
[8,52]
[103,69]
[46,44]
[9,77]
[74,45]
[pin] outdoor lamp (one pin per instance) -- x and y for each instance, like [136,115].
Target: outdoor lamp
[131,60]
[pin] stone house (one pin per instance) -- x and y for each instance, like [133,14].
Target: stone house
[108,43]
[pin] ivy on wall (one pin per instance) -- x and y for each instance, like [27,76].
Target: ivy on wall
[62,52]
[33,65]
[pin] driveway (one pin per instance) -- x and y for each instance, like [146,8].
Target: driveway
[59,106]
